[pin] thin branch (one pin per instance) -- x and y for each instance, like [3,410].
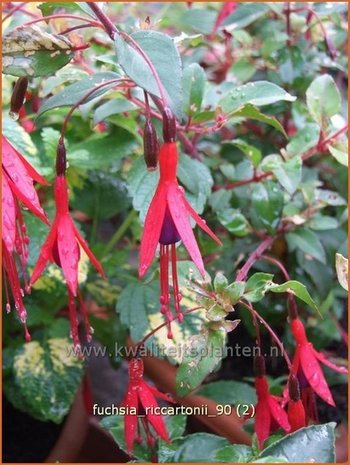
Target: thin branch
[58,16]
[254,256]
[270,330]
[85,96]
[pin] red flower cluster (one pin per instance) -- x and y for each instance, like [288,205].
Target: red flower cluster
[167,222]
[141,397]
[306,364]
[18,178]
[269,415]
[62,247]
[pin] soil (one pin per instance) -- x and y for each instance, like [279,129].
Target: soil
[24,438]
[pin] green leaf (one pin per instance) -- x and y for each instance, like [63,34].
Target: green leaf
[113,107]
[307,242]
[234,453]
[270,459]
[229,392]
[253,153]
[296,288]
[323,223]
[115,425]
[139,310]
[71,94]
[162,52]
[142,185]
[47,375]
[102,196]
[244,15]
[220,282]
[340,152]
[21,140]
[305,139]
[267,204]
[257,285]
[287,172]
[48,8]
[243,69]
[101,151]
[197,179]
[235,290]
[199,447]
[251,112]
[199,19]
[202,355]
[31,51]
[312,444]
[176,425]
[135,304]
[323,99]
[193,84]
[234,222]
[257,93]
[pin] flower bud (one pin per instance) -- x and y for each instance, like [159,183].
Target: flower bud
[18,96]
[61,159]
[169,125]
[259,365]
[150,146]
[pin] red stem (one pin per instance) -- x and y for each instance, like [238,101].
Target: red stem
[270,330]
[112,30]
[321,146]
[254,256]
[18,7]
[58,16]
[287,13]
[76,105]
[109,27]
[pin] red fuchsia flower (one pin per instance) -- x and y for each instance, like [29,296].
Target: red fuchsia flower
[167,222]
[18,178]
[296,411]
[140,402]
[269,415]
[62,247]
[306,364]
[226,10]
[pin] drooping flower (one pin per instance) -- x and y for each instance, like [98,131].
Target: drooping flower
[18,178]
[167,222]
[269,414]
[140,402]
[296,411]
[62,246]
[306,364]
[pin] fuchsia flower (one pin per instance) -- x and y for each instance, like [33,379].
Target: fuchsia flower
[18,178]
[140,402]
[62,247]
[306,364]
[167,222]
[269,415]
[296,411]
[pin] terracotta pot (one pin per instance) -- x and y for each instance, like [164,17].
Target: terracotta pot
[73,433]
